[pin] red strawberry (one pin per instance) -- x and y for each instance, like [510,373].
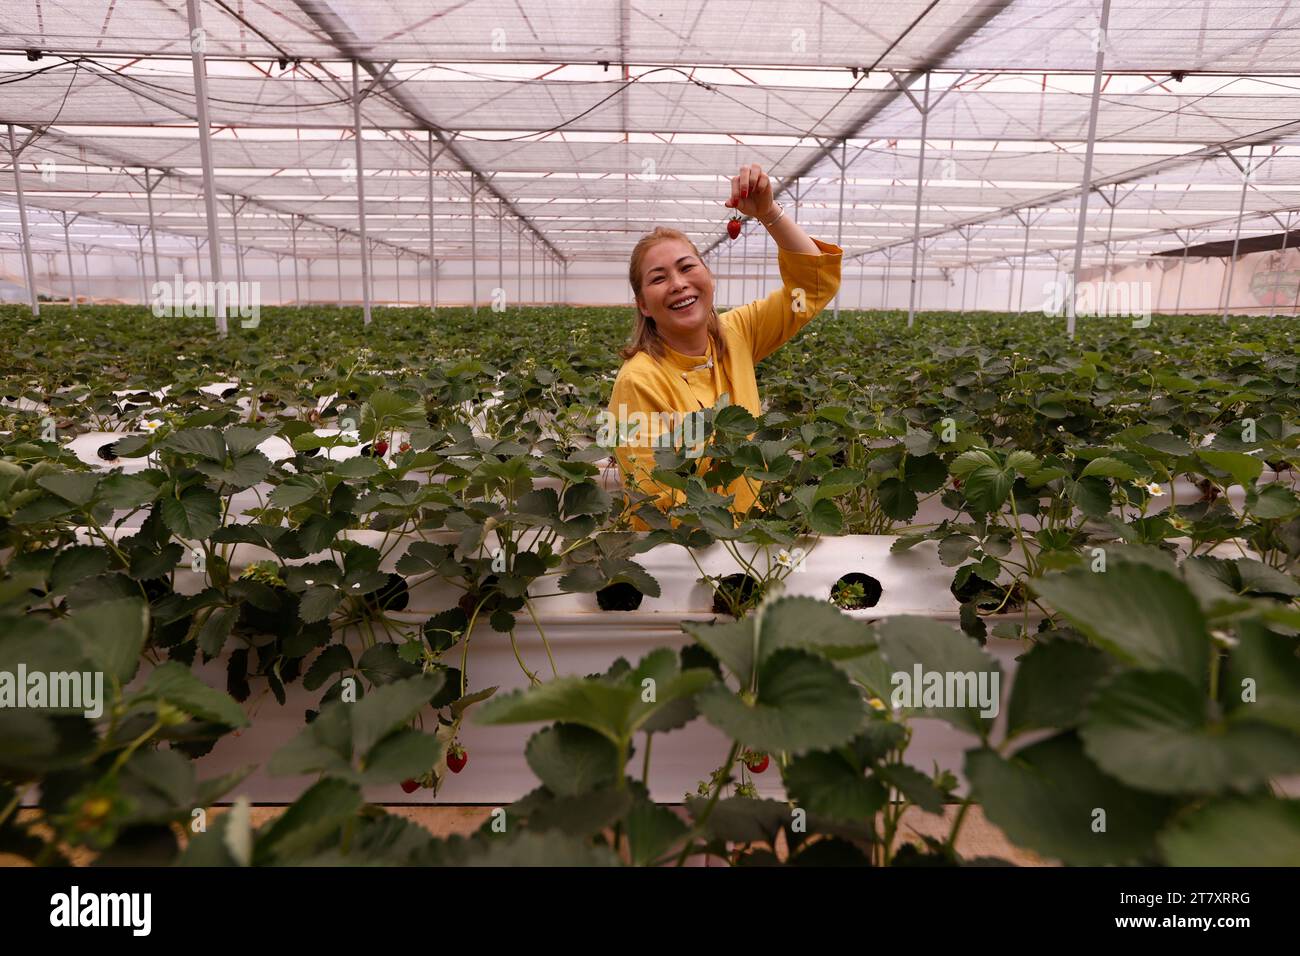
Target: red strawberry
[404,446]
[410,786]
[457,757]
[756,763]
[381,448]
[733,227]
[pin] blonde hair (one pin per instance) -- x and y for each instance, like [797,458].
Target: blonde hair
[645,335]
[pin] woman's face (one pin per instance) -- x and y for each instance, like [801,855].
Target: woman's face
[672,275]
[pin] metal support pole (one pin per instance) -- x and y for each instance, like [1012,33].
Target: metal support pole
[361,193]
[965,272]
[198,257]
[533,255]
[884,286]
[916,227]
[1086,187]
[433,262]
[67,248]
[1236,239]
[1182,273]
[1277,283]
[28,264]
[85,270]
[1110,229]
[1024,267]
[839,234]
[501,261]
[197,46]
[153,227]
[397,272]
[519,268]
[293,241]
[473,245]
[279,282]
[239,260]
[338,264]
[139,240]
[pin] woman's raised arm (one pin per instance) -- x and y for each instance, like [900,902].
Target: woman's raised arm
[751,195]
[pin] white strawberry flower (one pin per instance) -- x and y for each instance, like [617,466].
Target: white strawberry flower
[1154,490]
[151,425]
[784,558]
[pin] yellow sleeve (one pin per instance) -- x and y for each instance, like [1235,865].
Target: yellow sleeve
[634,406]
[769,323]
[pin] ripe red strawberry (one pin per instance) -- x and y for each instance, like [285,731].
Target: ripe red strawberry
[457,757]
[756,763]
[381,448]
[410,786]
[733,227]
[404,446]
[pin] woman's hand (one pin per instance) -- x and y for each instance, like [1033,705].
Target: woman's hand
[751,193]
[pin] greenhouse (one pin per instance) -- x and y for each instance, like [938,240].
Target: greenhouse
[637,433]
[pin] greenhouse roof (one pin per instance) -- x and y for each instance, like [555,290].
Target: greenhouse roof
[582,126]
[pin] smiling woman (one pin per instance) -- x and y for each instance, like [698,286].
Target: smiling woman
[684,356]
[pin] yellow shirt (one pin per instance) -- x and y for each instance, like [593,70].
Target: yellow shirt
[649,387]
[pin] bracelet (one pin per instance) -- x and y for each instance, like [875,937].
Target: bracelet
[776,220]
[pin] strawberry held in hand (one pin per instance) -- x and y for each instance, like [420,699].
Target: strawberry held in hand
[751,195]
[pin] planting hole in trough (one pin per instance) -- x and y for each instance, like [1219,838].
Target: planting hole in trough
[108,452]
[735,592]
[619,596]
[856,590]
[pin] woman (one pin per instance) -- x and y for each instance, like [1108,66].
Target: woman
[684,356]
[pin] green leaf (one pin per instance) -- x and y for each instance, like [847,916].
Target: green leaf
[897,500]
[914,785]
[312,818]
[204,442]
[1143,615]
[381,664]
[1106,467]
[400,756]
[925,473]
[550,848]
[195,515]
[1053,684]
[829,786]
[1263,677]
[804,703]
[244,472]
[987,488]
[386,707]
[76,563]
[1151,730]
[216,628]
[77,487]
[318,602]
[1046,798]
[1243,468]
[1272,501]
[335,658]
[126,492]
[571,759]
[908,643]
[175,684]
[652,830]
[111,634]
[1255,831]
